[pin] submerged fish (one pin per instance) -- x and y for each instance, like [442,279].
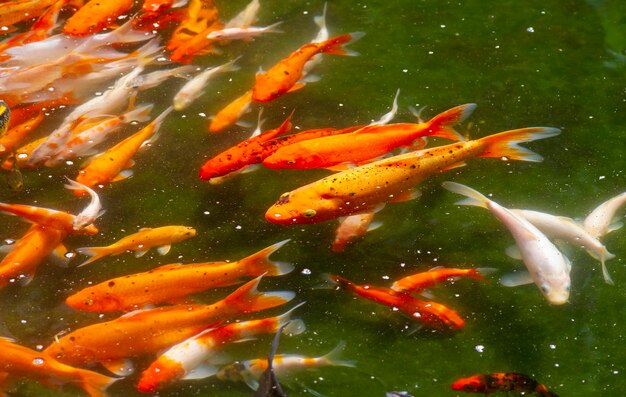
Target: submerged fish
[600,221]
[268,383]
[420,281]
[502,381]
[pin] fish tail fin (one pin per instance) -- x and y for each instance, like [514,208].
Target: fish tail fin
[140,114]
[94,383]
[94,252]
[247,299]
[505,144]
[333,357]
[335,45]
[442,125]
[291,326]
[259,263]
[481,272]
[341,282]
[473,197]
[606,255]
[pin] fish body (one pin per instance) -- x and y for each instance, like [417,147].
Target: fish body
[21,362]
[548,268]
[245,33]
[95,15]
[12,12]
[141,242]
[93,210]
[432,314]
[195,87]
[245,17]
[47,217]
[145,332]
[14,137]
[21,263]
[231,113]
[600,221]
[173,283]
[365,188]
[157,5]
[351,228]
[284,75]
[502,381]
[189,38]
[420,281]
[366,143]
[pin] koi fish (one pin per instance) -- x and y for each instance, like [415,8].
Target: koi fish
[141,242]
[24,113]
[173,283]
[369,186]
[245,17]
[502,381]
[189,38]
[246,33]
[283,76]
[21,362]
[188,359]
[92,211]
[195,87]
[231,113]
[250,371]
[12,12]
[157,5]
[110,166]
[21,263]
[268,383]
[547,267]
[367,143]
[145,332]
[47,217]
[352,227]
[95,15]
[5,116]
[14,137]
[432,314]
[600,221]
[566,229]
[420,281]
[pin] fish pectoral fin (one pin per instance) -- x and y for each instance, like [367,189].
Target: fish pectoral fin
[374,225]
[409,195]
[341,166]
[59,255]
[513,252]
[219,358]
[123,175]
[296,87]
[453,166]
[310,78]
[130,164]
[164,249]
[521,277]
[250,380]
[6,248]
[139,254]
[201,372]
[614,226]
[120,367]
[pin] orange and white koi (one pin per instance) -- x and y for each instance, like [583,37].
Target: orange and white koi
[231,113]
[547,267]
[21,263]
[195,87]
[285,74]
[432,314]
[600,221]
[502,381]
[367,143]
[353,227]
[95,15]
[112,165]
[173,283]
[420,281]
[188,359]
[88,215]
[17,362]
[146,332]
[366,187]
[250,371]
[47,217]
[141,242]
[246,33]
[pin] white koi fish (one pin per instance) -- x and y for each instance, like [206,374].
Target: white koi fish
[246,17]
[196,86]
[548,268]
[245,33]
[600,221]
[88,215]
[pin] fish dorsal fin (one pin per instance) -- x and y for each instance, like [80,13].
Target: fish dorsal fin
[513,252]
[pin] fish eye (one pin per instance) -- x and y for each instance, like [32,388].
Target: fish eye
[309,213]
[545,289]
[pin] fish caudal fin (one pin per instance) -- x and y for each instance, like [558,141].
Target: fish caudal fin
[259,263]
[94,252]
[335,45]
[291,326]
[94,383]
[442,124]
[247,298]
[333,357]
[473,197]
[505,144]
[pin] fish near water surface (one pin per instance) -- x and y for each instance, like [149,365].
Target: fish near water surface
[504,382]
[365,188]
[420,281]
[95,15]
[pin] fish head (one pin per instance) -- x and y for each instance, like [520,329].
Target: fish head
[301,207]
[94,301]
[184,232]
[473,384]
[555,293]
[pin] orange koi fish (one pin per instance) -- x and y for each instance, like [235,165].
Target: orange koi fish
[502,381]
[110,166]
[231,113]
[5,117]
[21,263]
[21,362]
[367,187]
[157,5]
[145,332]
[47,217]
[24,113]
[14,137]
[95,16]
[432,314]
[189,38]
[353,227]
[420,281]
[173,283]
[283,76]
[12,12]
[187,360]
[141,242]
[366,143]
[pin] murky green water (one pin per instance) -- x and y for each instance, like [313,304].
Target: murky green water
[558,63]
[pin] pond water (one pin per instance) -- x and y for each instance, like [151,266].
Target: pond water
[536,63]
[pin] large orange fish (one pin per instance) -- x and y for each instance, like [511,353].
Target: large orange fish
[231,113]
[47,217]
[364,188]
[420,281]
[432,314]
[502,381]
[18,362]
[367,143]
[283,76]
[173,283]
[95,16]
[145,332]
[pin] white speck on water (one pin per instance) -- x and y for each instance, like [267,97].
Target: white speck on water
[395,309]
[39,347]
[552,346]
[69,162]
[479,348]
[238,227]
[69,255]
[23,321]
[201,114]
[442,26]
[207,212]
[402,264]
[385,277]
[341,105]
[430,52]
[22,156]
[601,177]
[556,365]
[405,70]
[305,12]
[306,271]
[530,29]
[38,361]
[615,372]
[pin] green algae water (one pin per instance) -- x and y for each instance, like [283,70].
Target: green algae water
[536,63]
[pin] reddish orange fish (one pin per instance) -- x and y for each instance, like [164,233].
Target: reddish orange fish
[502,381]
[283,76]
[95,16]
[418,282]
[432,314]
